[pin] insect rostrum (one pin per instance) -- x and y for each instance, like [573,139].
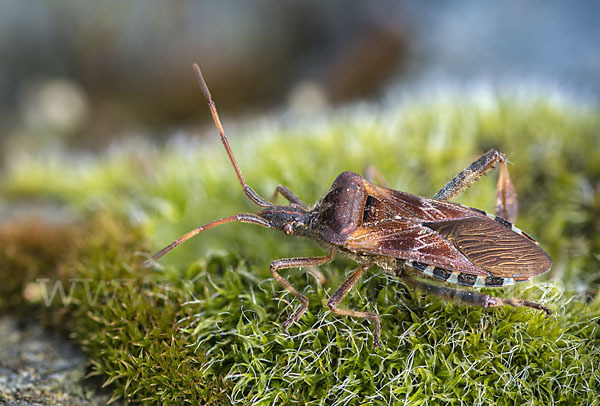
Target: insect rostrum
[414,238]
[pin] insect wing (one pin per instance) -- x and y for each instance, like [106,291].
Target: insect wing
[393,203]
[494,247]
[446,235]
[408,240]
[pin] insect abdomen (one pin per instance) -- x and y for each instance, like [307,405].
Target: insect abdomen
[461,278]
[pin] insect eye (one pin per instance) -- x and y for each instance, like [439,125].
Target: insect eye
[288,229]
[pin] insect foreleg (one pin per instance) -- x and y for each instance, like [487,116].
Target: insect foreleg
[339,295]
[470,297]
[296,263]
[506,198]
[290,196]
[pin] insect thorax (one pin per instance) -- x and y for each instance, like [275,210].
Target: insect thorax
[339,213]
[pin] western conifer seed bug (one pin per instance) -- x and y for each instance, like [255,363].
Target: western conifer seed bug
[414,238]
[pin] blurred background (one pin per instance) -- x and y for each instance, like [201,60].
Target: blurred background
[113,79]
[87,73]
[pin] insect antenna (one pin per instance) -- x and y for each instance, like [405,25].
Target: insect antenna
[242,217]
[252,195]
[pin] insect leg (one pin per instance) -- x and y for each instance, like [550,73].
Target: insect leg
[469,175]
[373,175]
[296,263]
[470,297]
[507,206]
[339,295]
[290,196]
[506,198]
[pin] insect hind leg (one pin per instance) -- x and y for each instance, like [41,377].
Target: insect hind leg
[506,197]
[470,297]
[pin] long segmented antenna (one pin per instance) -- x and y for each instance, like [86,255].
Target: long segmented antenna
[252,195]
[242,217]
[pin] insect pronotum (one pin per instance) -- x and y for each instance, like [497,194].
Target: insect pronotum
[415,238]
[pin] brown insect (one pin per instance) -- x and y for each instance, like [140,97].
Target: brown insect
[411,237]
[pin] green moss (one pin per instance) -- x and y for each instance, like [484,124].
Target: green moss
[205,328]
[30,248]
